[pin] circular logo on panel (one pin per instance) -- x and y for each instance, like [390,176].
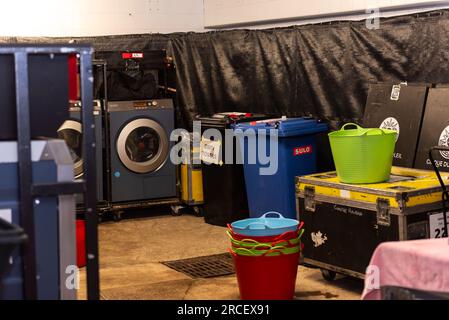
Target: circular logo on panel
[391,124]
[444,142]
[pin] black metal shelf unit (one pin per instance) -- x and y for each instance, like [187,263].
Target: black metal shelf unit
[28,190]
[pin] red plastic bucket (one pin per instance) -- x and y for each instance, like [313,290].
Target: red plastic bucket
[80,243]
[266,278]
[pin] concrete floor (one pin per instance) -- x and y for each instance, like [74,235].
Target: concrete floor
[130,268]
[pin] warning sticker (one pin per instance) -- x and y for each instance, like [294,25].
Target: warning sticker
[210,151]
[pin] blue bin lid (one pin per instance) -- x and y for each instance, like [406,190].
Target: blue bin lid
[287,126]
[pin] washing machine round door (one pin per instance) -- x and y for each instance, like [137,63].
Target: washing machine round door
[143,146]
[71,132]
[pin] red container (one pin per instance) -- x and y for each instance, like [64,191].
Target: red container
[80,243]
[266,278]
[73,77]
[285,236]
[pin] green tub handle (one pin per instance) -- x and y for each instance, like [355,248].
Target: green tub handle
[229,234]
[274,248]
[265,247]
[251,252]
[362,131]
[247,251]
[244,251]
[277,250]
[246,241]
[249,242]
[253,243]
[352,124]
[377,129]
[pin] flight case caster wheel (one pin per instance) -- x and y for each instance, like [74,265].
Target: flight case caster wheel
[117,216]
[176,211]
[328,275]
[198,211]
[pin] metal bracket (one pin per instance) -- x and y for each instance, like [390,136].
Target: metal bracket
[55,189]
[383,212]
[402,199]
[309,199]
[396,91]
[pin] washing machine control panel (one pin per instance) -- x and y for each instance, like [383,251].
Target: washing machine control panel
[140,105]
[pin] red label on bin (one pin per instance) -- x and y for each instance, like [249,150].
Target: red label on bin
[302,150]
[132,55]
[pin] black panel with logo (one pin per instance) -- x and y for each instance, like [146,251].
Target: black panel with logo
[133,75]
[399,107]
[435,130]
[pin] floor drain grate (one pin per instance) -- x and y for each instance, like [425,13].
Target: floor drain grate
[204,267]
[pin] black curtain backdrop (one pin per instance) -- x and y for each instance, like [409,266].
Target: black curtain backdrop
[317,70]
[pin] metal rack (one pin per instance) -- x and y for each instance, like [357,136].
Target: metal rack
[164,91]
[116,209]
[28,190]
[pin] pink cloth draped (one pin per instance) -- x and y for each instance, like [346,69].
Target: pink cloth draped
[418,264]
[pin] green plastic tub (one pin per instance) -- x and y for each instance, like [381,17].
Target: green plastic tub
[251,243]
[266,252]
[363,156]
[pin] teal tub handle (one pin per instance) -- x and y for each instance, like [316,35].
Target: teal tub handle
[280,216]
[257,226]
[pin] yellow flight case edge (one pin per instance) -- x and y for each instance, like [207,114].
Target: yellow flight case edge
[344,223]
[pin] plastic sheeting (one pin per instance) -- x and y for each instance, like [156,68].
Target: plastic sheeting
[318,70]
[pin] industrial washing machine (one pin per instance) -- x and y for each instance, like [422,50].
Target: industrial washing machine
[71,132]
[140,165]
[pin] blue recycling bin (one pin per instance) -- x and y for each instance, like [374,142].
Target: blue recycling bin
[269,189]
